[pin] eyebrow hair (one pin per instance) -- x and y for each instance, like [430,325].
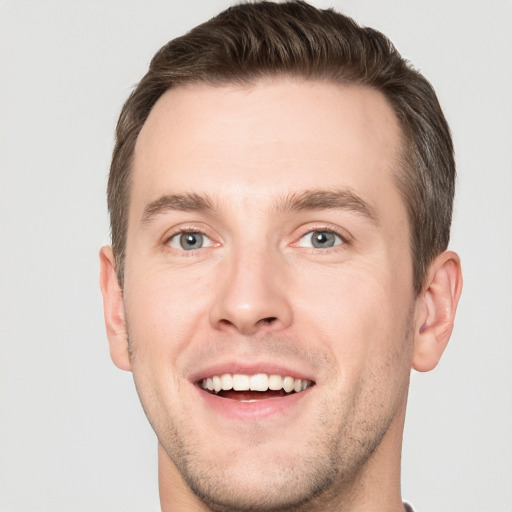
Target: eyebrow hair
[178,202]
[343,199]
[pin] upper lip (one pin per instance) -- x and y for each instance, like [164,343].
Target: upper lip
[249,368]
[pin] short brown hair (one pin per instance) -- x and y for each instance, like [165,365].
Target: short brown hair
[259,40]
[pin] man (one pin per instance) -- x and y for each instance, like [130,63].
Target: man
[280,196]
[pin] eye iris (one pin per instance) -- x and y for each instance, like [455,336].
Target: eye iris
[321,239]
[189,241]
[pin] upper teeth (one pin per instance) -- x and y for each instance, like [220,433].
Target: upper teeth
[258,382]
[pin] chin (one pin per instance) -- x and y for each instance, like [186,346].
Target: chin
[250,487]
[260,476]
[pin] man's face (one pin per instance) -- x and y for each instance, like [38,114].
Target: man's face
[267,238]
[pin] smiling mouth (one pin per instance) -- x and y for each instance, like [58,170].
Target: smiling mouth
[253,387]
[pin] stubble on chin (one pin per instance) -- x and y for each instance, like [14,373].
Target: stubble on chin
[346,433]
[326,471]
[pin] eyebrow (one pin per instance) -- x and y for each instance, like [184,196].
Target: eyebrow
[177,202]
[339,199]
[343,199]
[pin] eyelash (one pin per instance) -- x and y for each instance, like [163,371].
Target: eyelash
[188,230]
[323,229]
[311,229]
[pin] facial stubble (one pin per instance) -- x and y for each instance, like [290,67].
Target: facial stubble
[344,437]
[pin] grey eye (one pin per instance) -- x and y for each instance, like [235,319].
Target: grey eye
[320,240]
[189,240]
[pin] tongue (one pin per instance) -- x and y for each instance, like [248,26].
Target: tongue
[251,395]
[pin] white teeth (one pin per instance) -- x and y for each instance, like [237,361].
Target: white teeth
[240,382]
[217,386]
[258,382]
[275,382]
[288,384]
[226,382]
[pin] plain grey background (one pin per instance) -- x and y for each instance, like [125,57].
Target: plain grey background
[73,436]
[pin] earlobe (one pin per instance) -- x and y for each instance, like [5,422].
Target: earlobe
[113,308]
[436,310]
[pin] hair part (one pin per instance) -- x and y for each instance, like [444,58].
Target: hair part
[255,41]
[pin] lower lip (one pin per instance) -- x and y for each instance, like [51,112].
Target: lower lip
[254,410]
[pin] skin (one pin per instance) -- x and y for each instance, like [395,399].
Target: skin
[259,294]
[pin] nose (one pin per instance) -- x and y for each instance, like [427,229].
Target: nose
[251,295]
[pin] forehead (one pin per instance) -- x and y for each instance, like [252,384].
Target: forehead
[268,138]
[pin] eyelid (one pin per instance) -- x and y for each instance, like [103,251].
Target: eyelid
[344,236]
[181,229]
[306,241]
[174,241]
[337,240]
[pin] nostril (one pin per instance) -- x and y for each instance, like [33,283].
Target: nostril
[247,326]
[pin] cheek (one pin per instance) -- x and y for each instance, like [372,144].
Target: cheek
[359,312]
[164,315]
[163,312]
[364,324]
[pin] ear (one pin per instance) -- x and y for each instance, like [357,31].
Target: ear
[113,308]
[436,309]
